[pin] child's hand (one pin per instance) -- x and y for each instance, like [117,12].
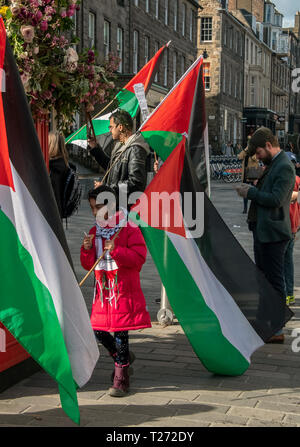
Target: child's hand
[109,245]
[87,241]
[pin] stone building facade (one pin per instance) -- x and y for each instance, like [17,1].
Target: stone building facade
[135,30]
[221,36]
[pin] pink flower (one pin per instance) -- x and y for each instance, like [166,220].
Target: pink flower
[63,13]
[27,32]
[44,25]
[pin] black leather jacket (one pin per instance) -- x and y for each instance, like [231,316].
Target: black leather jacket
[128,162]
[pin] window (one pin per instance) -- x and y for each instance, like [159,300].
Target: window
[106,39]
[135,51]
[120,47]
[174,68]
[183,18]
[166,12]
[206,74]
[251,54]
[147,48]
[147,6]
[157,8]
[175,14]
[206,29]
[166,67]
[136,2]
[156,48]
[191,24]
[92,37]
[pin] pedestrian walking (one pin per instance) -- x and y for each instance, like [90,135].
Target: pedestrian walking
[119,304]
[268,216]
[58,166]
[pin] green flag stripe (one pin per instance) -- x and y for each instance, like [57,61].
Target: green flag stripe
[198,321]
[127,101]
[32,318]
[162,142]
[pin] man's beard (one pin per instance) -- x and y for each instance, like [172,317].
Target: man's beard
[268,159]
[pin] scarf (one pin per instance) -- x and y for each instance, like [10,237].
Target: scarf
[106,272]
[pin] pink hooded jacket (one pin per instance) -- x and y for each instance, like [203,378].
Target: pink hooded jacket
[127,311]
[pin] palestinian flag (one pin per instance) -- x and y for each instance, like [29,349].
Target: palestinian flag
[177,116]
[41,303]
[126,99]
[224,304]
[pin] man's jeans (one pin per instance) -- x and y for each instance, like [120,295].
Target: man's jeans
[269,257]
[289,267]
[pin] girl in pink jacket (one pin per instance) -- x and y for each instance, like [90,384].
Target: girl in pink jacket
[119,304]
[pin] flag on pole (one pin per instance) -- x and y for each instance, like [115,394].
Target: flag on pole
[126,99]
[223,302]
[180,115]
[41,303]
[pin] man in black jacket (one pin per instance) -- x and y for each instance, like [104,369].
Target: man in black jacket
[125,160]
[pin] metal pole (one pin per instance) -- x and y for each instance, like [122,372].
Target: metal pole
[165,314]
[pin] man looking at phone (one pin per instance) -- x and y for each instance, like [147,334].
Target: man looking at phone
[268,216]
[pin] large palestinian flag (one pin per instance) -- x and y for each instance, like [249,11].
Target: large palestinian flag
[125,99]
[224,304]
[177,116]
[41,303]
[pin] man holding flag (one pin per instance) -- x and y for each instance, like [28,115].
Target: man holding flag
[126,167]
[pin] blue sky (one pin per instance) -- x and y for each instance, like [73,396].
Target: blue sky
[288,8]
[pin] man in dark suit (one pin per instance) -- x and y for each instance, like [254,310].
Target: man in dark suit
[268,216]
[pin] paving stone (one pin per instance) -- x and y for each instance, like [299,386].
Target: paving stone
[215,398]
[174,422]
[252,422]
[264,415]
[135,399]
[279,406]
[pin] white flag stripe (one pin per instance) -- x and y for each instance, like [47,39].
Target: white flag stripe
[234,325]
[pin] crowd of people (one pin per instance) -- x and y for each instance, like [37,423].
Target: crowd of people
[269,182]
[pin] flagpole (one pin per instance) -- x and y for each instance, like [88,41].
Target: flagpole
[98,260]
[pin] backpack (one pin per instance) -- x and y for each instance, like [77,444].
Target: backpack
[72,192]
